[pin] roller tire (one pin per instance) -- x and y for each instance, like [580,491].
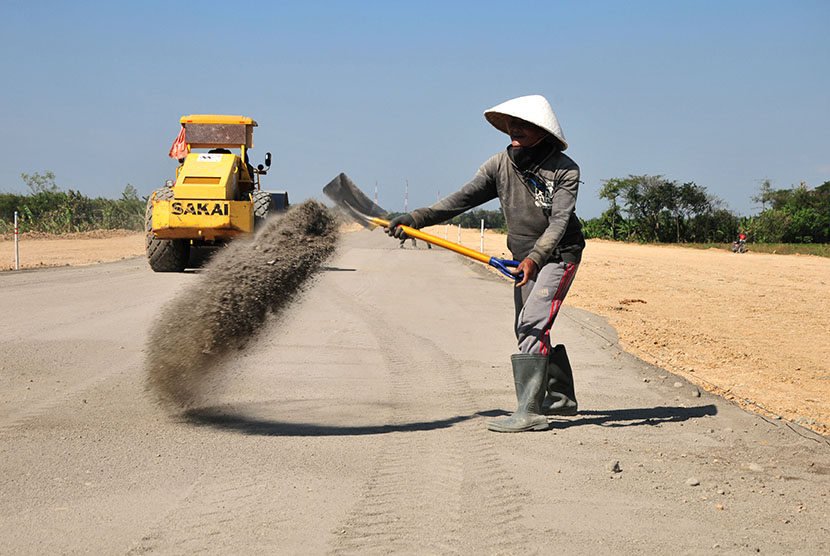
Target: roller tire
[164,255]
[263,206]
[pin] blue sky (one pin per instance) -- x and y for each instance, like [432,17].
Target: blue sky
[724,94]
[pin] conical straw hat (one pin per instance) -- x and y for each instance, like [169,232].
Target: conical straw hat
[532,108]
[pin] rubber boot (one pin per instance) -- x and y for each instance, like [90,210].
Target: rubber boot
[529,374]
[560,399]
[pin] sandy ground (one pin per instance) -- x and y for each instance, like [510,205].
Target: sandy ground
[754,328]
[354,425]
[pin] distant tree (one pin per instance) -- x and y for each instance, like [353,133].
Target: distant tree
[796,215]
[609,225]
[657,209]
[611,190]
[764,194]
[129,194]
[40,183]
[691,199]
[646,198]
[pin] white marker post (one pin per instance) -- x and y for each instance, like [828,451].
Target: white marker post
[16,248]
[459,235]
[482,236]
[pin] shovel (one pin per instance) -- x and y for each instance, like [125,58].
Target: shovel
[346,194]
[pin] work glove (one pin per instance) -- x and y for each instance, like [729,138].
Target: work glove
[394,229]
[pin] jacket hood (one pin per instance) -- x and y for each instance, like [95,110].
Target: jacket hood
[532,108]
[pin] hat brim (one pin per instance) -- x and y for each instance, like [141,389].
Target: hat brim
[499,121]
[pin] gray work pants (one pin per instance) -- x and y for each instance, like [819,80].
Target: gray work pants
[537,304]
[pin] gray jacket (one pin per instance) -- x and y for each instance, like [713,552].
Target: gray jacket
[541,225]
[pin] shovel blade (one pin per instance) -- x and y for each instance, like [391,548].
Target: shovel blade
[343,191]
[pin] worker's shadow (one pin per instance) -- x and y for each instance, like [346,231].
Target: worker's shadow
[227,419]
[220,419]
[634,417]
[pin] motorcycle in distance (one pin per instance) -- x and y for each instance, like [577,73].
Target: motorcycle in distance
[739,245]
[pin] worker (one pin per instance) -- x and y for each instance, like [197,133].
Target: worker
[537,186]
[414,243]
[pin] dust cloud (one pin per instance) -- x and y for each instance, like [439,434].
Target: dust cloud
[225,309]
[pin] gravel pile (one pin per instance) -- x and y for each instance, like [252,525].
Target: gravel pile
[229,303]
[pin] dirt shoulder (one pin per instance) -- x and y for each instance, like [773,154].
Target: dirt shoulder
[753,328]
[38,250]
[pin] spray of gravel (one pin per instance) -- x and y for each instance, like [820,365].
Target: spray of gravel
[240,286]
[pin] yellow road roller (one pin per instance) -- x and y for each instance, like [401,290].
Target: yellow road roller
[216,195]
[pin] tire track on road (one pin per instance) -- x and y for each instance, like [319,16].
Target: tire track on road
[441,487]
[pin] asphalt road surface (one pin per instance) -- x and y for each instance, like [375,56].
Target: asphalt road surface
[355,424]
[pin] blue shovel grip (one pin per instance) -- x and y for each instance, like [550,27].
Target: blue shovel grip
[502,266]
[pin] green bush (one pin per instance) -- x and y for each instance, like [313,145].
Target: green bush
[47,209]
